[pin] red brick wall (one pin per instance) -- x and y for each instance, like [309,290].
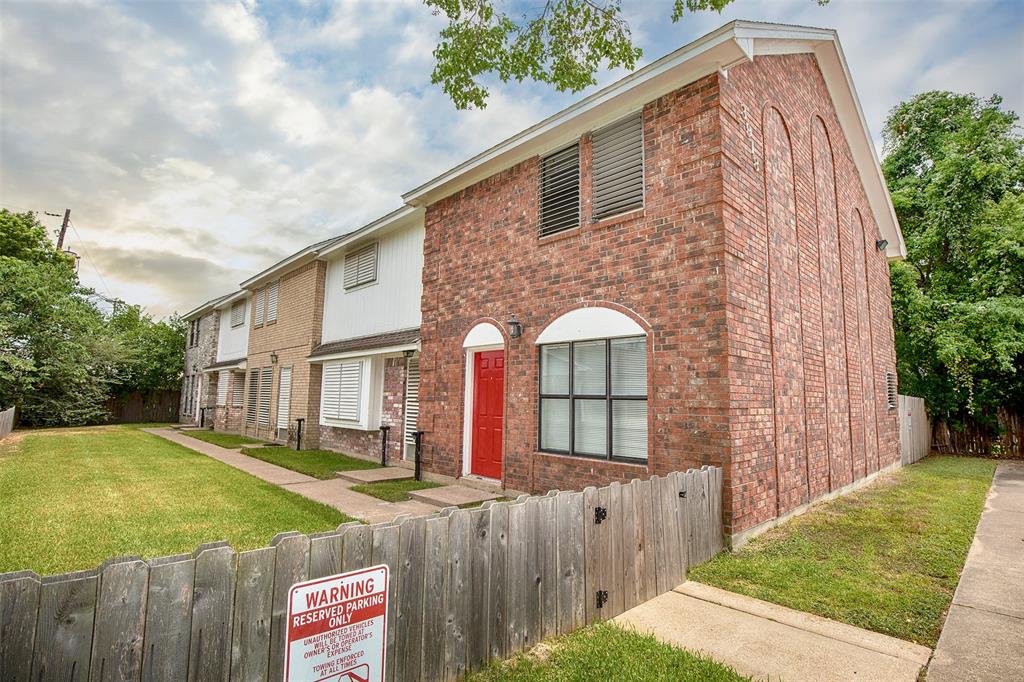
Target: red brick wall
[664,264]
[770,330]
[810,331]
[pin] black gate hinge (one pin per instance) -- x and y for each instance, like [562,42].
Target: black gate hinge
[602,598]
[600,514]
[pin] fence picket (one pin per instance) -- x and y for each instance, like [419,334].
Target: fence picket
[593,553]
[457,597]
[67,605]
[435,578]
[384,550]
[291,565]
[478,645]
[19,607]
[497,597]
[254,609]
[613,533]
[168,607]
[408,626]
[517,577]
[120,621]
[630,549]
[212,606]
[547,540]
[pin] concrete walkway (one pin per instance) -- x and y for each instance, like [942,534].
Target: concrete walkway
[767,641]
[983,638]
[333,492]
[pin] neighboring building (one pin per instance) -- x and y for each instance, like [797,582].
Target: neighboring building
[691,254]
[200,351]
[368,358]
[226,374]
[284,326]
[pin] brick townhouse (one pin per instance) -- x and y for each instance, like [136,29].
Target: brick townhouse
[688,267]
[200,350]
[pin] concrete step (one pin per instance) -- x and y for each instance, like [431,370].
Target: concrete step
[375,475]
[452,496]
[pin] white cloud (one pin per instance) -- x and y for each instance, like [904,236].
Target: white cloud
[202,142]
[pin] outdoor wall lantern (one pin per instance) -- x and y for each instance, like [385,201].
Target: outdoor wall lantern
[880,244]
[273,358]
[407,354]
[515,330]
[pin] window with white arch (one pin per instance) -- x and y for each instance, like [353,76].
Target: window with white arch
[593,386]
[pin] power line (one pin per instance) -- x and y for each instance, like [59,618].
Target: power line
[92,261]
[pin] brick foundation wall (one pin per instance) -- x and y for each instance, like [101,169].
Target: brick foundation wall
[810,328]
[663,265]
[368,443]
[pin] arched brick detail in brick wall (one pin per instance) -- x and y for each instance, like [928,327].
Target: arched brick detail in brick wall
[838,397]
[862,246]
[783,249]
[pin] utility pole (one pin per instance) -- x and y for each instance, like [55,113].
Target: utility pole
[63,229]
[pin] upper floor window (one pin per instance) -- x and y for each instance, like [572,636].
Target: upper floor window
[361,267]
[272,302]
[260,306]
[618,168]
[238,314]
[560,191]
[193,333]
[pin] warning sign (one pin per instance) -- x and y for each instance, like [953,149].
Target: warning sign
[337,628]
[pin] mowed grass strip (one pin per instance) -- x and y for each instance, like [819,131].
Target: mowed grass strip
[224,440]
[393,491]
[886,558]
[607,652]
[322,464]
[71,498]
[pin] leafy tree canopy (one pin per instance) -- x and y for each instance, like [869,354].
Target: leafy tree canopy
[559,42]
[955,168]
[61,356]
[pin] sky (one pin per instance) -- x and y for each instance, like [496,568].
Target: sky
[198,143]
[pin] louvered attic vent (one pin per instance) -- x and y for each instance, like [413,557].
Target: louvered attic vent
[361,267]
[618,180]
[560,191]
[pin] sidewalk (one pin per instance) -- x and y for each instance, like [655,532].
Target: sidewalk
[983,638]
[333,492]
[768,641]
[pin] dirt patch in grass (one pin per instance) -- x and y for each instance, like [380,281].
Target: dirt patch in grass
[886,558]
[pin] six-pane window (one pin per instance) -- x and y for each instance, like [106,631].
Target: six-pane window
[593,398]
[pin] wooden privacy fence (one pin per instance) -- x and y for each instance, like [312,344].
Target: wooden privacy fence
[996,434]
[6,422]
[467,586]
[155,406]
[915,431]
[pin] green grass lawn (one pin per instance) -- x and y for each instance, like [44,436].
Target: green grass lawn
[320,464]
[71,498]
[887,558]
[607,652]
[394,491]
[224,440]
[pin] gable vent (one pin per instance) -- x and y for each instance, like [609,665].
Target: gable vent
[618,180]
[890,390]
[361,267]
[560,191]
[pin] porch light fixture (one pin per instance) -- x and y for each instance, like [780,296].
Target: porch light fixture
[880,244]
[273,358]
[407,354]
[515,330]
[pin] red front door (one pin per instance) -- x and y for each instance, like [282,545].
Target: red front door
[488,412]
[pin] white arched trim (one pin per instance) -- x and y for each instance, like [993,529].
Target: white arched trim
[483,334]
[590,323]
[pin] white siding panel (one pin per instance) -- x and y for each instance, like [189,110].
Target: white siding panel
[233,342]
[393,303]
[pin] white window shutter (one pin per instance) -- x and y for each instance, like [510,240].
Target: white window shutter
[237,389]
[238,314]
[284,397]
[618,169]
[330,386]
[223,377]
[412,399]
[266,378]
[272,302]
[254,388]
[259,306]
[361,267]
[351,389]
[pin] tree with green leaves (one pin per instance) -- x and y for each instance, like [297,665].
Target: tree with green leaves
[61,356]
[955,168]
[560,42]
